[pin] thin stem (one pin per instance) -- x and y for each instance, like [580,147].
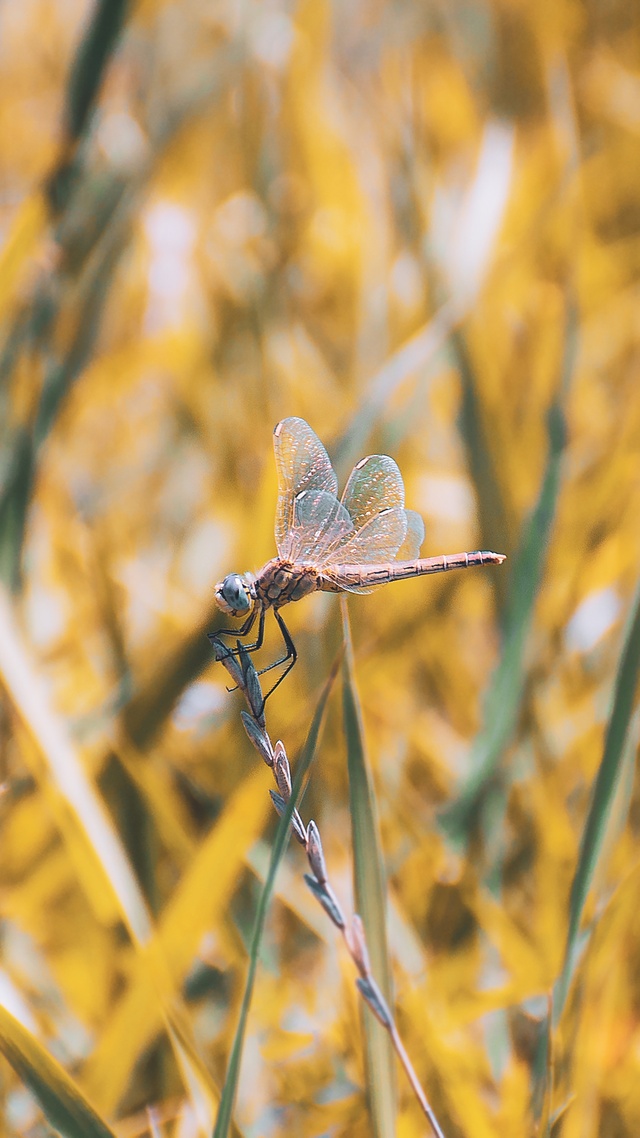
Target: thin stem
[413,1079]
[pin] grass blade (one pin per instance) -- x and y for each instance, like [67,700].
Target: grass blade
[90,63]
[61,1100]
[503,700]
[617,754]
[502,705]
[370,895]
[63,775]
[495,530]
[200,902]
[223,1119]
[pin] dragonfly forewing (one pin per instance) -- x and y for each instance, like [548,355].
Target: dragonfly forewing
[320,525]
[302,463]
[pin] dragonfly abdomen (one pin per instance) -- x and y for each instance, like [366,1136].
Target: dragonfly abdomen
[368,576]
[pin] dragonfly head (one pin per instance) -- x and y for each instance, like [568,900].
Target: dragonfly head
[234,595]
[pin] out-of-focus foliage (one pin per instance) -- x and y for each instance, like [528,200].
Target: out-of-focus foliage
[418,227]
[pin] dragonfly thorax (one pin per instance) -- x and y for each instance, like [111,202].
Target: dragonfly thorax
[234,595]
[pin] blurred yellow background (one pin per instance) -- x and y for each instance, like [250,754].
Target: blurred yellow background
[417,226]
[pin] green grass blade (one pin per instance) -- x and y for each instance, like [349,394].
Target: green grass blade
[90,63]
[619,752]
[502,704]
[227,1099]
[62,1102]
[504,696]
[370,894]
[495,530]
[22,450]
[618,760]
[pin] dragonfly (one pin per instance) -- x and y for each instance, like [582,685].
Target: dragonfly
[352,544]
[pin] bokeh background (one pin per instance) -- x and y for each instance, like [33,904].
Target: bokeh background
[417,226]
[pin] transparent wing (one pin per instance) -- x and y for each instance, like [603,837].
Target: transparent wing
[380,540]
[375,484]
[347,586]
[377,540]
[410,548]
[302,464]
[320,523]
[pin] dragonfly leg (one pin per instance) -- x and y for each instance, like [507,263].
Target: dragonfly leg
[291,655]
[244,630]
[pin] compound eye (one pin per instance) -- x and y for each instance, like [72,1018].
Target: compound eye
[235,593]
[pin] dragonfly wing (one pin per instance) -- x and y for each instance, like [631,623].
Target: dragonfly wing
[375,484]
[381,539]
[410,548]
[302,464]
[377,540]
[344,584]
[320,522]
